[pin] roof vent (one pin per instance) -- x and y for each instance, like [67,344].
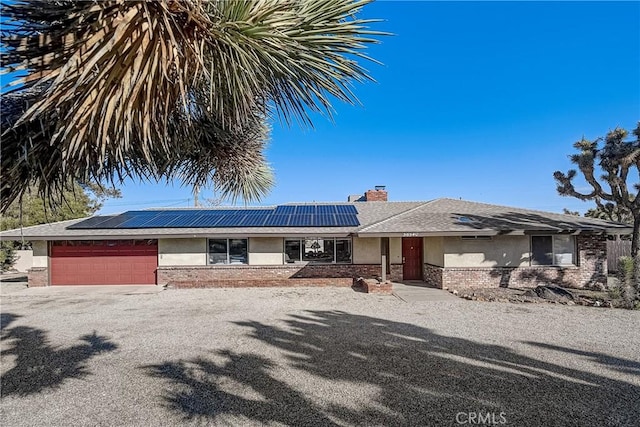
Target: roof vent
[380,187]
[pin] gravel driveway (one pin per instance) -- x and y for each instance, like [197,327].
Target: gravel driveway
[312,357]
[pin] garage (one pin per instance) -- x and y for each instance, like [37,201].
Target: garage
[104,262]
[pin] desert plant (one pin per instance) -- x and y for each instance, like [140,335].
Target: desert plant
[175,89]
[7,256]
[625,292]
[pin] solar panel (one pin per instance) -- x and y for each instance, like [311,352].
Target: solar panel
[225,212]
[305,210]
[138,219]
[284,210]
[92,222]
[346,220]
[230,220]
[208,220]
[257,212]
[115,221]
[346,209]
[274,220]
[186,220]
[326,209]
[301,220]
[325,220]
[281,216]
[161,220]
[254,220]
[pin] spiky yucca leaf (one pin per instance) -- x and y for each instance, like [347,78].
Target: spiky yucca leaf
[119,85]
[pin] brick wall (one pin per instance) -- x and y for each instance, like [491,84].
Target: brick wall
[591,271]
[262,283]
[396,272]
[433,275]
[38,277]
[375,196]
[272,275]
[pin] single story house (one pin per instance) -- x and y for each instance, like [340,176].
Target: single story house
[444,242]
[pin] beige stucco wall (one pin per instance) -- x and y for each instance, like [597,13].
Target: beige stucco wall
[366,250]
[500,251]
[23,261]
[433,250]
[395,250]
[40,253]
[266,251]
[182,252]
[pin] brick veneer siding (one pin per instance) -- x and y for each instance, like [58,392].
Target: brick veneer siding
[396,272]
[38,277]
[591,271]
[433,275]
[272,275]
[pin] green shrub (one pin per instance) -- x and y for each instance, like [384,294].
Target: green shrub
[7,256]
[625,270]
[626,291]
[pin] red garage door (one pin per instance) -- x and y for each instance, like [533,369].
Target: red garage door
[104,262]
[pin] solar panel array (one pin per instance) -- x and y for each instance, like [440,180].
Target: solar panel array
[281,216]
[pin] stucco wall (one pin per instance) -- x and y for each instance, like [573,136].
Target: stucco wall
[40,254]
[395,250]
[24,260]
[366,250]
[500,251]
[266,251]
[434,251]
[182,252]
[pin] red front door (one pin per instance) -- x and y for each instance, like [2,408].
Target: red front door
[412,258]
[104,262]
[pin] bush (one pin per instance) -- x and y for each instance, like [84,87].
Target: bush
[7,256]
[625,270]
[626,291]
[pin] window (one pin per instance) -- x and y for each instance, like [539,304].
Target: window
[228,251]
[318,250]
[553,250]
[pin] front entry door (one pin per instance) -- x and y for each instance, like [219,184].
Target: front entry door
[412,258]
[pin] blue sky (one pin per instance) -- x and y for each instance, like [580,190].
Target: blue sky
[475,100]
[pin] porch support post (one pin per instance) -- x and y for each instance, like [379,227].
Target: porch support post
[384,245]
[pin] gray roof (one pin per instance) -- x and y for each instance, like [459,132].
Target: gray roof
[434,218]
[368,213]
[461,217]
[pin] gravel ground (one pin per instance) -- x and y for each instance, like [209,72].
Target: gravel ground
[312,357]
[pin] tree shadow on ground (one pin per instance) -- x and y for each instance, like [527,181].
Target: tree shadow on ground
[402,374]
[38,364]
[623,365]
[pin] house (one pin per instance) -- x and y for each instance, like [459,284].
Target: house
[444,242]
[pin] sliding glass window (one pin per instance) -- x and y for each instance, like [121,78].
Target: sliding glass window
[228,251]
[321,250]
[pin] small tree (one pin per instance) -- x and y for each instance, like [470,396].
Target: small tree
[618,158]
[77,200]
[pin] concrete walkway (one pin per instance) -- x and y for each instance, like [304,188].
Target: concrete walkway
[420,292]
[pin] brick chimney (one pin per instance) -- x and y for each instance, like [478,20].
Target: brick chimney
[379,194]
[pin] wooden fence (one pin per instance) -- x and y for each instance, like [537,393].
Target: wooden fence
[616,249]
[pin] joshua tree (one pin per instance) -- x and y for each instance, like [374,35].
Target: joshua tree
[167,88]
[619,159]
